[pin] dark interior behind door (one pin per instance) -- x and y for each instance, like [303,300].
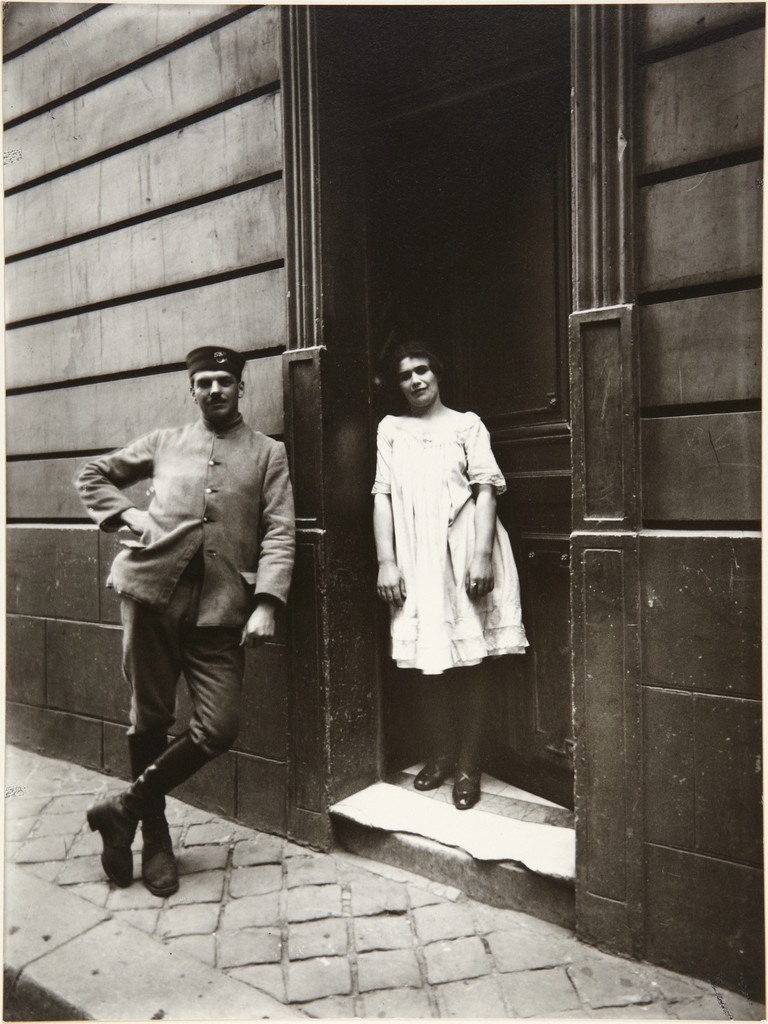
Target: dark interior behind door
[468,249]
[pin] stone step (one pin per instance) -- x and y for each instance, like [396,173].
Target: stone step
[513,850]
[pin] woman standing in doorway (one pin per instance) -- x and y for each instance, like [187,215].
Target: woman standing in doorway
[445,564]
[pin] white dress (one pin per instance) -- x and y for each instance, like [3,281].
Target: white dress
[429,478]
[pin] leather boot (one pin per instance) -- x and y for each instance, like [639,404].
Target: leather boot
[117,824]
[116,818]
[158,864]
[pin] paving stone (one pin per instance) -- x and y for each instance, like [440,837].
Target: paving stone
[523,950]
[46,848]
[239,833]
[478,997]
[570,1014]
[310,870]
[255,880]
[317,938]
[536,926]
[312,902]
[251,912]
[261,849]
[397,968]
[62,918]
[82,869]
[443,921]
[741,1007]
[403,1003]
[650,1011]
[249,946]
[16,831]
[146,920]
[377,896]
[350,872]
[205,887]
[491,919]
[49,870]
[382,933]
[178,813]
[59,824]
[85,845]
[201,947]
[351,862]
[318,978]
[422,897]
[265,977]
[708,1007]
[456,959]
[613,984]
[94,892]
[202,858]
[194,919]
[677,987]
[212,832]
[23,807]
[294,850]
[16,809]
[335,1008]
[176,832]
[70,804]
[135,897]
[539,993]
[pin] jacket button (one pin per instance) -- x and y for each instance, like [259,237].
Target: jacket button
[205,519]
[211,462]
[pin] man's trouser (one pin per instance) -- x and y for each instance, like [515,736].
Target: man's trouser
[160,645]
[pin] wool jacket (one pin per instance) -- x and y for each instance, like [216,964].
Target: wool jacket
[225,490]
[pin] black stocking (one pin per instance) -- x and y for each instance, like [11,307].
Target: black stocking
[472,715]
[438,707]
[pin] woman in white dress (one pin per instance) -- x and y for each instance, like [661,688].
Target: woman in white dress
[446,568]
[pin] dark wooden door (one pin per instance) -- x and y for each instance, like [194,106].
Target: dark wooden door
[468,249]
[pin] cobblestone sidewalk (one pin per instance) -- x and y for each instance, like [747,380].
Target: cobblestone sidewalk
[335,935]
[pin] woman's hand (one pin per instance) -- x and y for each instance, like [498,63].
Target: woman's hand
[479,579]
[390,586]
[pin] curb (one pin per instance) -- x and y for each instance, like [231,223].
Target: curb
[76,962]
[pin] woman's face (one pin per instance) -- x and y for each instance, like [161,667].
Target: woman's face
[418,383]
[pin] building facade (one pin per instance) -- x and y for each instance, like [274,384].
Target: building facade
[567,203]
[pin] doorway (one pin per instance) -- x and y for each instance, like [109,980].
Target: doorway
[464,113]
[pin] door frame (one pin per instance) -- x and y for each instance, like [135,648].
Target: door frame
[328,690]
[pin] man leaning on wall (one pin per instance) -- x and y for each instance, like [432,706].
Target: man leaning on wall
[210,561]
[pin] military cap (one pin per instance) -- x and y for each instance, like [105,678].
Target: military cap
[212,357]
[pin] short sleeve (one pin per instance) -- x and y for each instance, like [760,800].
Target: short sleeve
[383,482]
[482,467]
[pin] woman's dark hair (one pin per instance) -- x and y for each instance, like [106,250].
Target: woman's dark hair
[411,350]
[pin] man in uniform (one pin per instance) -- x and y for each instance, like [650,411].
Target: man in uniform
[211,559]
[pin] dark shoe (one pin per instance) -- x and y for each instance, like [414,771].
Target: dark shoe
[466,789]
[158,864]
[117,825]
[434,773]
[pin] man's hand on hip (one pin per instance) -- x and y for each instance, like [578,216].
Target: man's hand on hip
[135,519]
[260,626]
